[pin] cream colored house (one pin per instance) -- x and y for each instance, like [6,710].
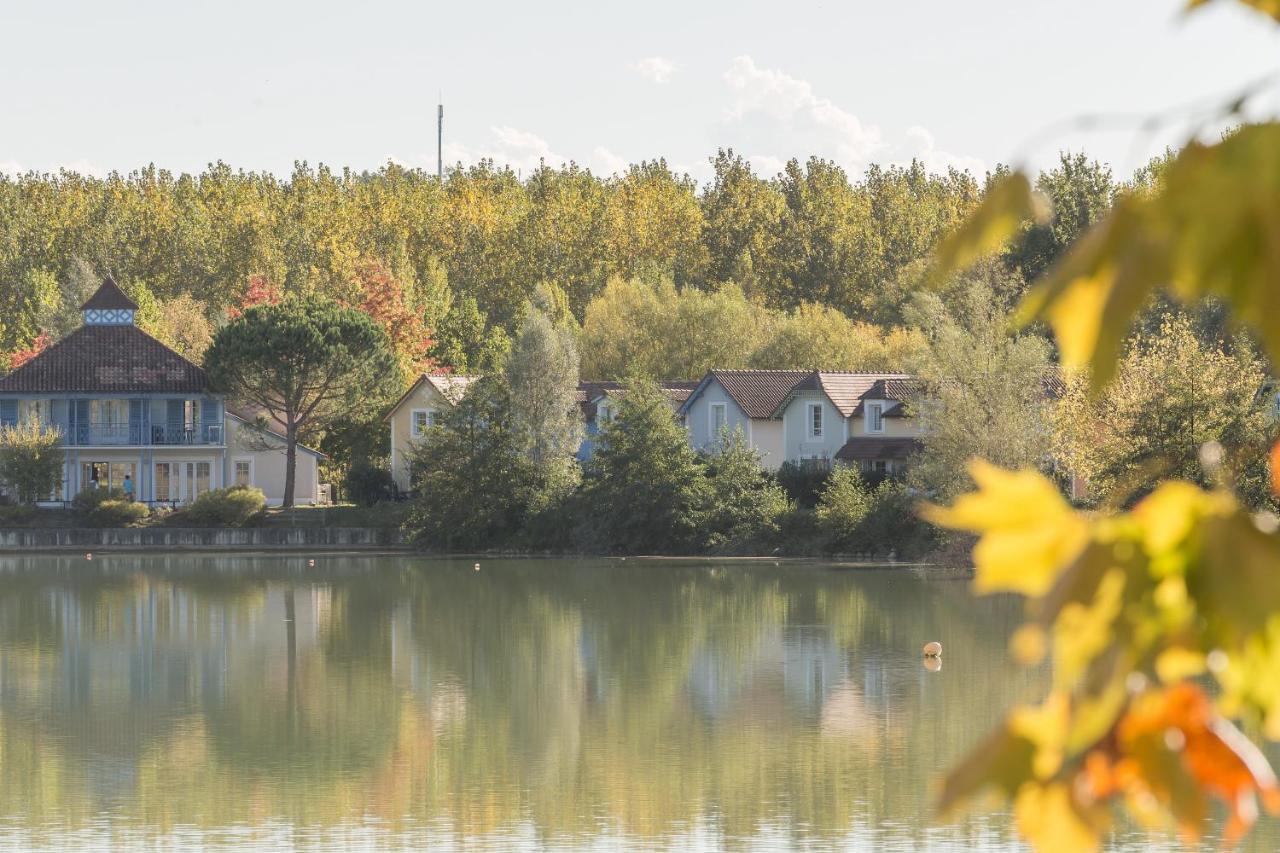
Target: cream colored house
[135,415]
[415,413]
[861,419]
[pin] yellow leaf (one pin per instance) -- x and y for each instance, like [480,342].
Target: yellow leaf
[1046,727]
[1028,645]
[1083,631]
[1175,664]
[1029,533]
[1052,821]
[1270,8]
[1006,206]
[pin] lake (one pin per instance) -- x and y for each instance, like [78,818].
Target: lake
[220,702]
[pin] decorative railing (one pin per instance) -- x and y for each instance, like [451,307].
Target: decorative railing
[178,435]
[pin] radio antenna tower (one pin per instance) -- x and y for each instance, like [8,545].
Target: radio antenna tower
[440,138]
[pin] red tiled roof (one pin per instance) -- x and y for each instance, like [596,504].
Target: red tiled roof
[109,295]
[759,392]
[111,359]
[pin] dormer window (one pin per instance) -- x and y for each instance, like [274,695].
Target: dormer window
[875,417]
[815,420]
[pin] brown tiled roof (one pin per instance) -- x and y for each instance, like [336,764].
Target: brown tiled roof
[847,390]
[759,392]
[878,448]
[675,390]
[452,386]
[110,359]
[109,295]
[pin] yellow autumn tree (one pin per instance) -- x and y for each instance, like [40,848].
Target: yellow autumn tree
[1164,621]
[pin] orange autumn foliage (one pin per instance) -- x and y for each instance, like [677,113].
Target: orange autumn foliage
[19,357]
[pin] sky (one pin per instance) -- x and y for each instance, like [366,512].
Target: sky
[98,87]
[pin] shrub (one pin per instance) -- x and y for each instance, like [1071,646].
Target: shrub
[118,513]
[744,503]
[804,481]
[367,484]
[843,506]
[16,516]
[31,460]
[231,507]
[89,499]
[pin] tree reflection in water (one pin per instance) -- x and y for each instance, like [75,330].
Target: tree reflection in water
[575,702]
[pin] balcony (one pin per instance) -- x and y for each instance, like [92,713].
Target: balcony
[125,435]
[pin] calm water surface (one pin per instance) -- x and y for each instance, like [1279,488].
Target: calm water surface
[202,702]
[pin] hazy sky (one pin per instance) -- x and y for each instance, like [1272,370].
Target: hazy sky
[101,86]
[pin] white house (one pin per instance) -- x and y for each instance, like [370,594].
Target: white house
[130,409]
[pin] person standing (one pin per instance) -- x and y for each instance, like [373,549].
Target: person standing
[128,487]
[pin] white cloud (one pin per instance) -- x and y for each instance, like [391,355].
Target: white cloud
[922,146]
[774,116]
[656,69]
[780,116]
[507,146]
[604,162]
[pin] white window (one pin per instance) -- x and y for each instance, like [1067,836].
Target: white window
[242,473]
[604,413]
[719,416]
[423,420]
[875,417]
[815,420]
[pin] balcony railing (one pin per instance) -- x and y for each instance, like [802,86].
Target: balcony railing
[177,435]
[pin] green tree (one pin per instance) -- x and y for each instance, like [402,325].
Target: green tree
[844,503]
[983,391]
[1172,396]
[31,460]
[644,490]
[826,251]
[1080,192]
[745,504]
[475,486]
[742,214]
[657,331]
[817,337]
[466,343]
[302,363]
[543,376]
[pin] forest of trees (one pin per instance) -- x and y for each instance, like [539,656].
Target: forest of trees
[650,273]
[465,255]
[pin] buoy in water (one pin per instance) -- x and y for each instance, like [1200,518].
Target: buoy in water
[477,567]
[88,556]
[933,650]
[311,563]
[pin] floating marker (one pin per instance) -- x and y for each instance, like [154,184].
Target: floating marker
[477,567]
[933,650]
[88,556]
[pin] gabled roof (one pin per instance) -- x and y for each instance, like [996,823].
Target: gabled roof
[846,391]
[675,390]
[450,386]
[757,392]
[109,295]
[108,359]
[271,426]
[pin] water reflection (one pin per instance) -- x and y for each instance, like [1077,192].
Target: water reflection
[260,703]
